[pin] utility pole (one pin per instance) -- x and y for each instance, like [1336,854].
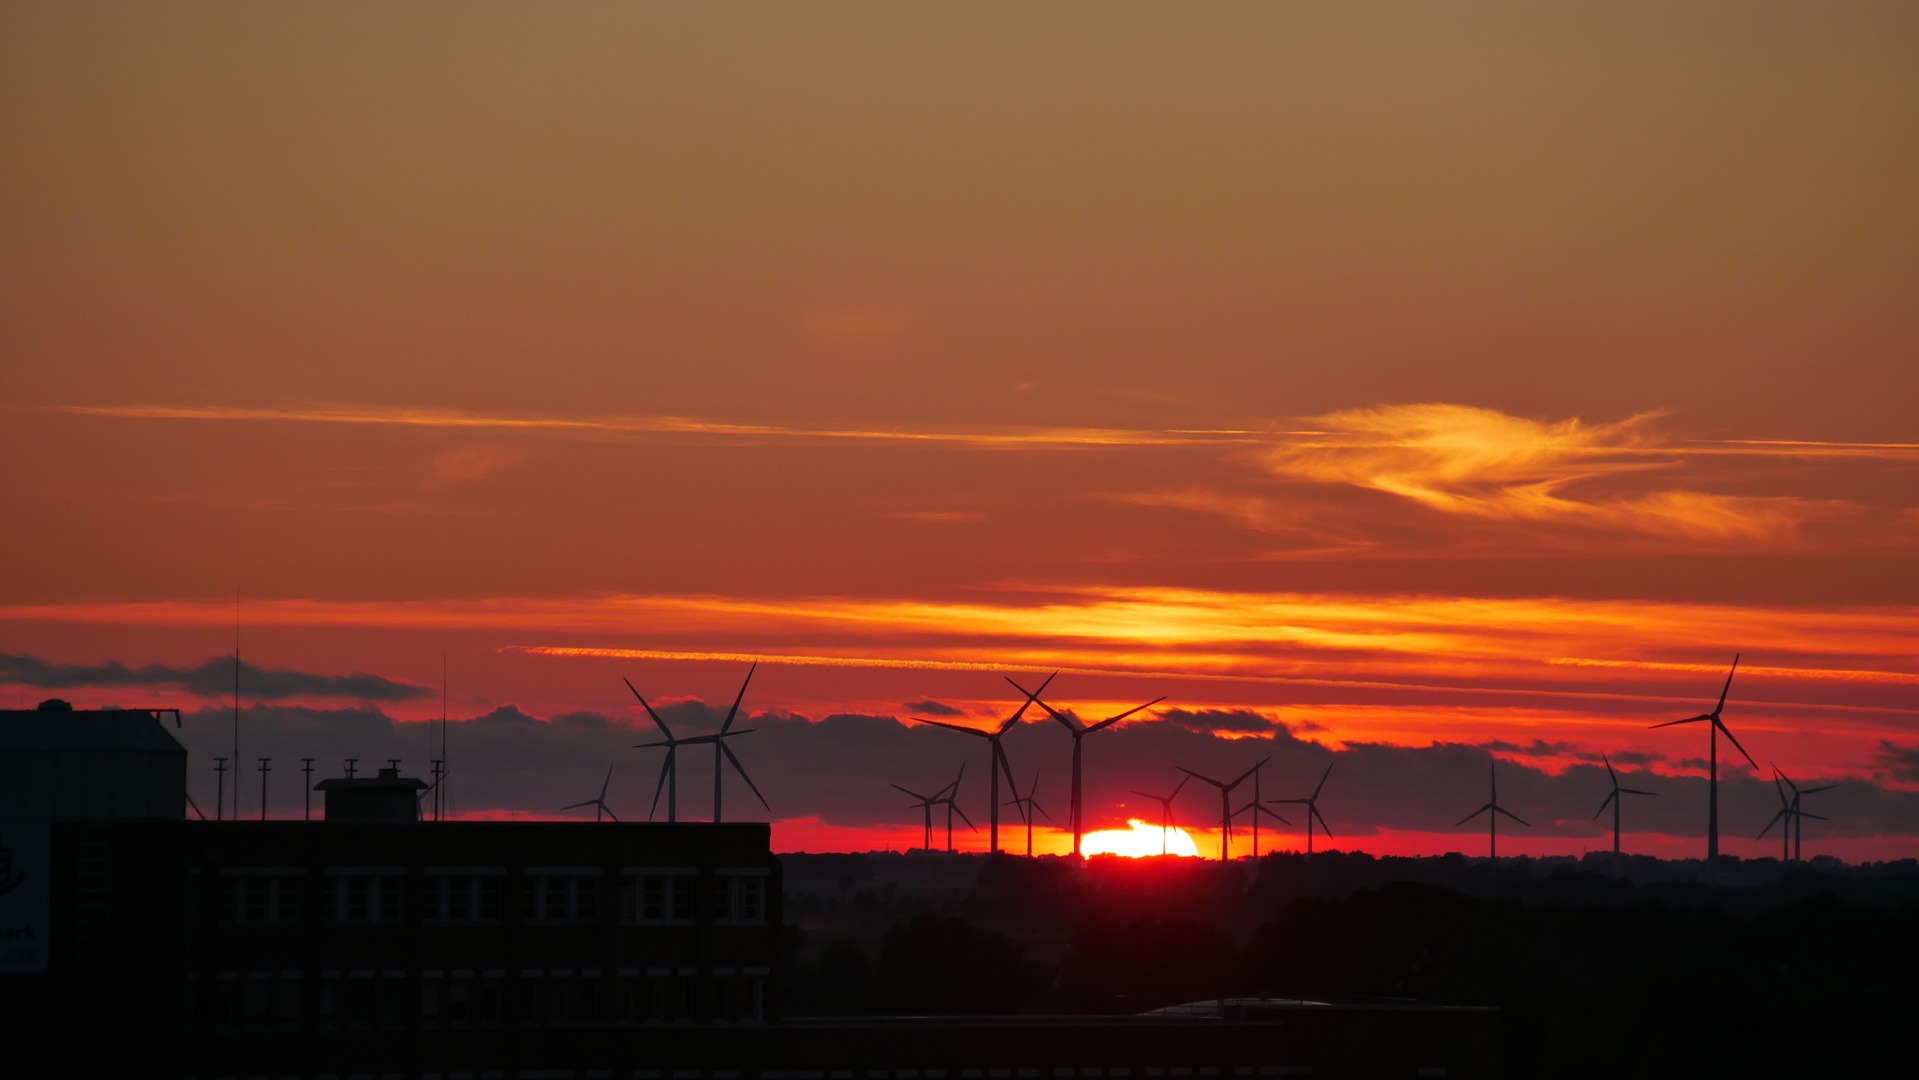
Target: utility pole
[220,792]
[265,768]
[350,764]
[306,766]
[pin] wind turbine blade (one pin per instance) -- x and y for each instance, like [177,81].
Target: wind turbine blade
[1021,711]
[962,816]
[1182,783]
[1005,766]
[609,811]
[1510,814]
[736,702]
[950,727]
[1815,817]
[1033,695]
[1611,774]
[1247,773]
[609,780]
[1636,791]
[648,708]
[1817,790]
[1727,688]
[1314,812]
[665,767]
[1775,820]
[1111,720]
[1041,810]
[1735,741]
[1322,781]
[1610,796]
[577,805]
[1687,720]
[1147,795]
[741,769]
[1472,815]
[1201,779]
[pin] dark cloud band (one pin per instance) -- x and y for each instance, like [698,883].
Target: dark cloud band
[214,678]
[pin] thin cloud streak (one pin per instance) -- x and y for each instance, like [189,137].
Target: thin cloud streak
[1039,665]
[1538,647]
[1037,438]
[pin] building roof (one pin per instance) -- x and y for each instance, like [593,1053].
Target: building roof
[86,730]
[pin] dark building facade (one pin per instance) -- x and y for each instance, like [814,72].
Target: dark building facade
[135,942]
[469,947]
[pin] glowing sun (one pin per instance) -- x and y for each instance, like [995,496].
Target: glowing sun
[1139,841]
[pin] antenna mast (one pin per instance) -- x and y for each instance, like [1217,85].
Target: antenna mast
[236,702]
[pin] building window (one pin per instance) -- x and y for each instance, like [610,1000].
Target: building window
[257,1000]
[462,899]
[657,899]
[560,898]
[366,898]
[258,899]
[740,899]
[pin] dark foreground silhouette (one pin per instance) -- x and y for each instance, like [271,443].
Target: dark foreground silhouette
[1785,971]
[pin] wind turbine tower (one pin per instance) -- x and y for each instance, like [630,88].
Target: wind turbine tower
[1311,802]
[1716,727]
[722,754]
[1614,799]
[1079,732]
[1257,807]
[598,802]
[1492,810]
[996,761]
[1027,806]
[1165,808]
[1225,802]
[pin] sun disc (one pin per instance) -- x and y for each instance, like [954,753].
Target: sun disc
[1138,841]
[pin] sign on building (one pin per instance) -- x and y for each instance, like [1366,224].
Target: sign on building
[26,865]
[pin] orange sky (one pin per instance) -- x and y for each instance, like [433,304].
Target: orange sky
[1474,375]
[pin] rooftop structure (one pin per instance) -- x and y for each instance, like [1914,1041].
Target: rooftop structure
[58,763]
[387,797]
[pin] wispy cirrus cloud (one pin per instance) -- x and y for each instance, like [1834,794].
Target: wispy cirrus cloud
[977,436]
[1481,463]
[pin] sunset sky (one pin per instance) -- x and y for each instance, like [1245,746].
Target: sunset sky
[1389,386]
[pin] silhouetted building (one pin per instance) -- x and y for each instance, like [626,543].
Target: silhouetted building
[62,764]
[386,797]
[134,942]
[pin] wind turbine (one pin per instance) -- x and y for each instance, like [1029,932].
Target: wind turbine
[1712,787]
[1225,801]
[1258,807]
[1165,808]
[669,769]
[598,804]
[1791,812]
[1027,806]
[1079,732]
[1311,802]
[926,803]
[951,801]
[722,753]
[1492,810]
[996,760]
[1614,800]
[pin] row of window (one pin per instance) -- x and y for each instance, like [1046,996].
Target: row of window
[278,1001]
[459,899]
